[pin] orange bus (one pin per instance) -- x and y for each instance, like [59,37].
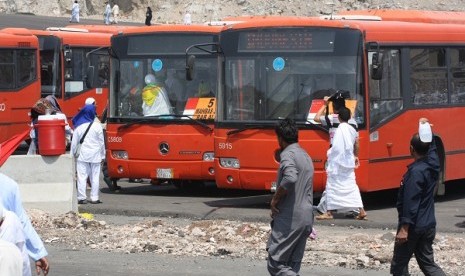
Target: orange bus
[63,65]
[173,143]
[19,81]
[395,71]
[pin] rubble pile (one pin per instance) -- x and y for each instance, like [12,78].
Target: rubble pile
[348,247]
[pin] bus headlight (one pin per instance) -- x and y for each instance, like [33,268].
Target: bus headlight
[208,156]
[120,154]
[230,163]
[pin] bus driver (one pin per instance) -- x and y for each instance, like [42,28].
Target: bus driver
[155,98]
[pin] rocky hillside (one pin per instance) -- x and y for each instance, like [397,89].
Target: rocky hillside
[171,11]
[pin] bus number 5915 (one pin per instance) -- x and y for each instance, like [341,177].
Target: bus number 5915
[226,146]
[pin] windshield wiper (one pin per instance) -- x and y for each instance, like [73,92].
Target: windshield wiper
[246,127]
[317,126]
[148,118]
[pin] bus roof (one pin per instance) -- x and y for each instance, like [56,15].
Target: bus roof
[381,31]
[112,29]
[173,28]
[442,17]
[77,38]
[17,37]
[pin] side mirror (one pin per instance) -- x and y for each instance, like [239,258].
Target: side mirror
[190,62]
[376,68]
[67,53]
[90,73]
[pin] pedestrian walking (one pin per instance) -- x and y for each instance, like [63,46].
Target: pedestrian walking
[291,205]
[74,13]
[187,19]
[107,13]
[11,230]
[88,147]
[11,200]
[342,192]
[331,121]
[416,228]
[115,12]
[148,16]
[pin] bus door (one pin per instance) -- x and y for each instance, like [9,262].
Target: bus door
[50,66]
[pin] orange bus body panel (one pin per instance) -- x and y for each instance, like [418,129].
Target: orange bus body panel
[437,17]
[16,104]
[187,145]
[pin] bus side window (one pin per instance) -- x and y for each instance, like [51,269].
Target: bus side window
[457,63]
[429,72]
[386,94]
[7,69]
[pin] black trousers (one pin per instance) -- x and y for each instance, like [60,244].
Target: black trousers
[420,244]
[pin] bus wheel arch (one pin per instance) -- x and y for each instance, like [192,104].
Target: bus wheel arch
[440,188]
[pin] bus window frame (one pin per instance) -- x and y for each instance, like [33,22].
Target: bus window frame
[17,84]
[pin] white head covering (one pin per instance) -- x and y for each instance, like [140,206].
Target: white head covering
[90,100]
[425,133]
[150,79]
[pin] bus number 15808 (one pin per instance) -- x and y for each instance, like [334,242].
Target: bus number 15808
[115,139]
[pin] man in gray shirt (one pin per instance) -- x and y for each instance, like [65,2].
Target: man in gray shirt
[291,206]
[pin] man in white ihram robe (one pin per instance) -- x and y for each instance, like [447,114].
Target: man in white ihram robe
[11,230]
[75,13]
[342,192]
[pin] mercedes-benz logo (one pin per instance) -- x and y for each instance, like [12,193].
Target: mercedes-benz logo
[164,148]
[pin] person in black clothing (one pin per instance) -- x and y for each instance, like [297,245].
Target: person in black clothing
[415,205]
[148,16]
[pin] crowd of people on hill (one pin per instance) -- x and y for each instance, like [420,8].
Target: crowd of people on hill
[111,14]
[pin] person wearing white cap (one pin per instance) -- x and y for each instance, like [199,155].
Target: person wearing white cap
[90,100]
[11,200]
[11,230]
[416,228]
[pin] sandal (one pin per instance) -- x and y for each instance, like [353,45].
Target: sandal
[324,216]
[361,217]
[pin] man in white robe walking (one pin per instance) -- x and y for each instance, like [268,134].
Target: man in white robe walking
[91,153]
[342,192]
[75,13]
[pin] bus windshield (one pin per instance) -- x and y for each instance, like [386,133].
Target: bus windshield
[150,77]
[274,73]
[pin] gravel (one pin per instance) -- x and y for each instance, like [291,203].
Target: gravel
[348,247]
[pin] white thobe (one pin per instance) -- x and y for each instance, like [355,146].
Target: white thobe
[187,19]
[107,14]
[91,155]
[12,231]
[11,200]
[161,105]
[75,13]
[10,259]
[342,192]
[115,11]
